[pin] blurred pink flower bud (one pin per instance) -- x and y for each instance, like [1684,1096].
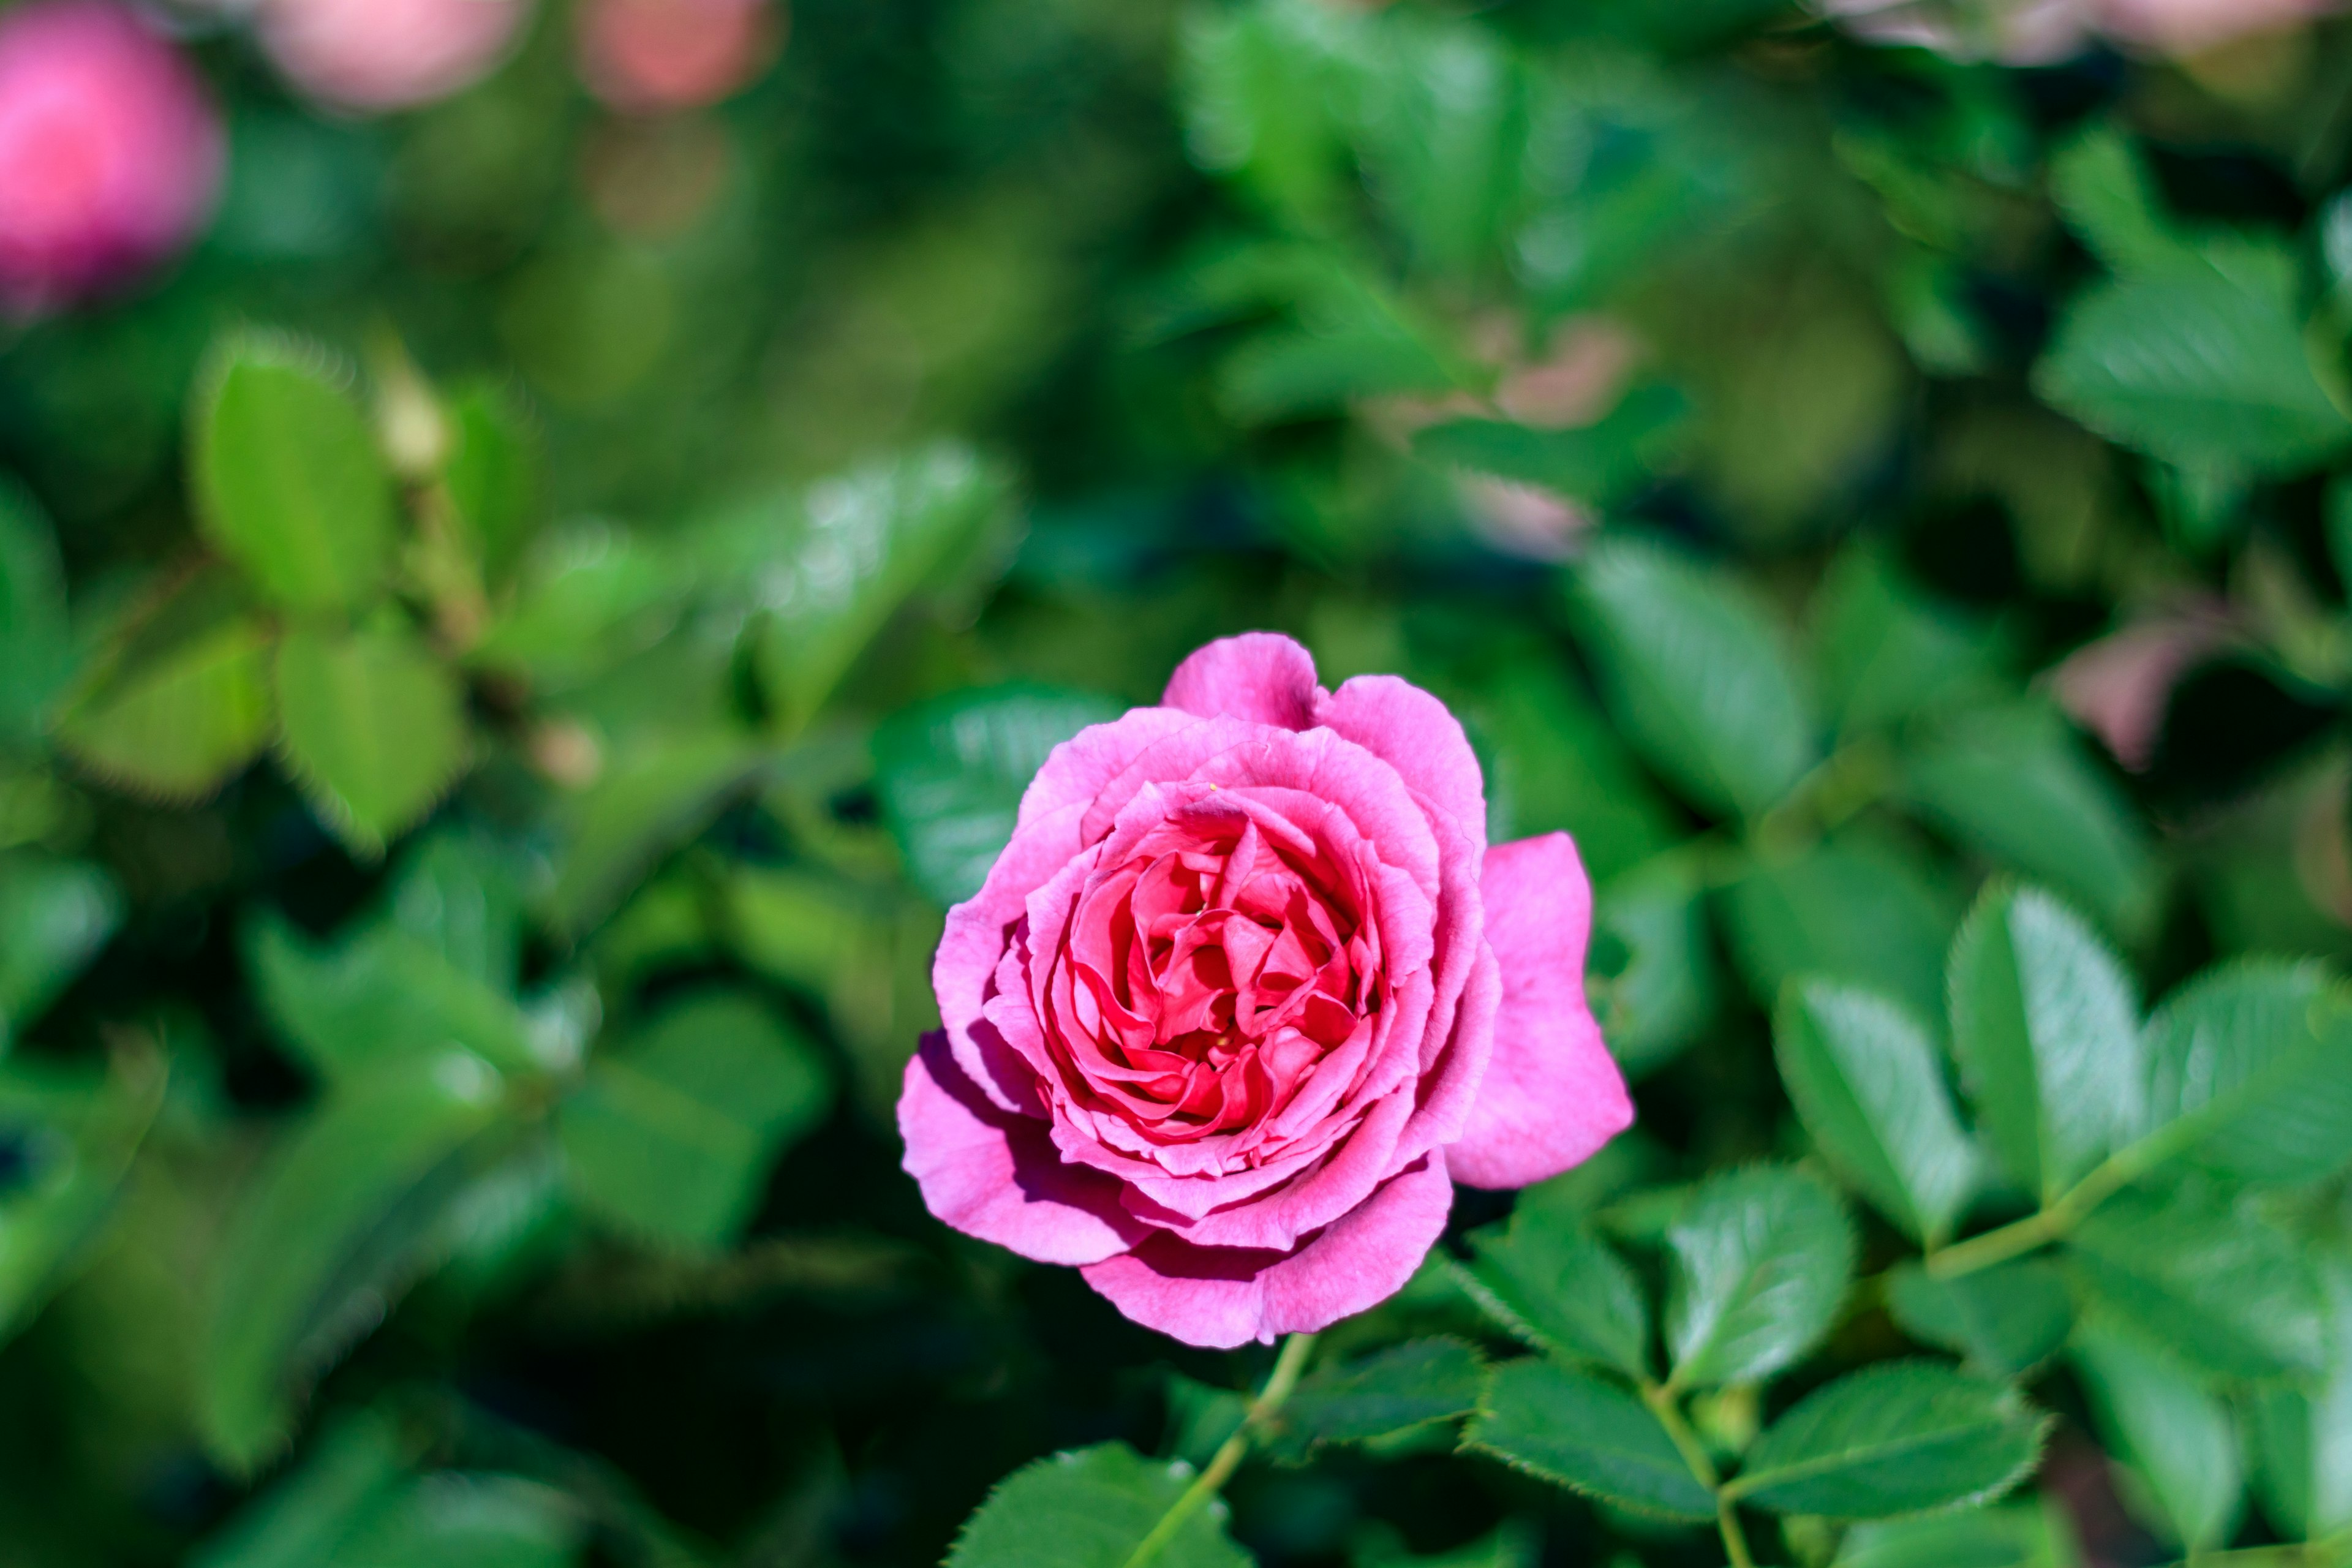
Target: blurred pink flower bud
[369,55]
[110,152]
[2119,687]
[645,56]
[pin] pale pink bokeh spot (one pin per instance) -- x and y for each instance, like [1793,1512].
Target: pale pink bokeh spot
[645,56]
[110,155]
[2119,686]
[2044,32]
[372,56]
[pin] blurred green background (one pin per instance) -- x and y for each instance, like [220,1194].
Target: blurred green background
[457,956]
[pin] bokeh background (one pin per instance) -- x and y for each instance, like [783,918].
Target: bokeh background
[752,384]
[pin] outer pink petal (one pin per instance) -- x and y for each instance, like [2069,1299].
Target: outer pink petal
[1077,770]
[1222,1297]
[1552,1094]
[1262,677]
[994,1174]
[978,930]
[1417,735]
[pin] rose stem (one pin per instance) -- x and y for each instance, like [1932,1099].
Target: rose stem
[1212,1480]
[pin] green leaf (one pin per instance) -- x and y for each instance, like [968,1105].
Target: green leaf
[1441,132]
[1553,764]
[1551,1282]
[2249,1072]
[951,772]
[842,558]
[2302,1433]
[287,482]
[54,917]
[651,797]
[303,1520]
[36,642]
[1887,653]
[1652,980]
[1697,674]
[2007,1320]
[460,893]
[372,726]
[2103,188]
[2019,1536]
[2212,1280]
[180,704]
[347,1212]
[2014,784]
[1577,1431]
[495,474]
[1264,89]
[1857,908]
[2047,1033]
[674,1132]
[380,997]
[1598,462]
[451,1520]
[1900,1437]
[2178,1439]
[1090,1509]
[2195,368]
[1762,1257]
[590,596]
[70,1136]
[1869,1085]
[1384,1395]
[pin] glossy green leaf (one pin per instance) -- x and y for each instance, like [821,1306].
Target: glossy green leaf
[2013,1536]
[347,1211]
[287,482]
[2047,1033]
[1553,1283]
[1577,1431]
[372,726]
[1384,1395]
[1090,1509]
[175,709]
[36,645]
[1697,674]
[2007,1320]
[1762,1257]
[2211,1279]
[2177,1438]
[672,1134]
[55,915]
[1857,908]
[2015,784]
[1896,1438]
[590,596]
[379,997]
[2195,368]
[1869,1085]
[2249,1072]
[2301,1434]
[951,772]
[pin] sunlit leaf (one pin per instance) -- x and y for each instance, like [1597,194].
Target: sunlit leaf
[372,727]
[2178,1439]
[1898,1439]
[1577,1431]
[1090,1509]
[1762,1257]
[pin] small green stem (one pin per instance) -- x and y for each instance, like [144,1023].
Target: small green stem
[1288,1368]
[2057,1219]
[1660,1401]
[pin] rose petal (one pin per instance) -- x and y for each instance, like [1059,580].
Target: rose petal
[1552,1094]
[1414,733]
[1262,677]
[1222,1297]
[994,1174]
[1077,770]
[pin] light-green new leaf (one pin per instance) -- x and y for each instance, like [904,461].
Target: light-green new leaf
[2249,1072]
[372,727]
[288,485]
[180,700]
[2047,1033]
[1898,1439]
[1698,675]
[1577,1431]
[1762,1257]
[1869,1085]
[1091,1509]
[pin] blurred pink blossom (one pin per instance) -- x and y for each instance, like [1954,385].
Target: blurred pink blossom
[645,55]
[110,152]
[2119,687]
[369,55]
[2187,27]
[2042,32]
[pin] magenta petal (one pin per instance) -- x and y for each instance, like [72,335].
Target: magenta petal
[1416,734]
[994,1173]
[1077,770]
[1552,1094]
[1262,677]
[1222,1297]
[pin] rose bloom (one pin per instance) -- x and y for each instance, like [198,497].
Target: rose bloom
[645,55]
[109,153]
[1244,997]
[370,55]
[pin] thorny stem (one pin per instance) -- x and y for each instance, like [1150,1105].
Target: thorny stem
[1287,1366]
[1660,1401]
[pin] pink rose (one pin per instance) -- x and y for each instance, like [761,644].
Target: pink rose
[1244,997]
[109,153]
[644,56]
[375,55]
